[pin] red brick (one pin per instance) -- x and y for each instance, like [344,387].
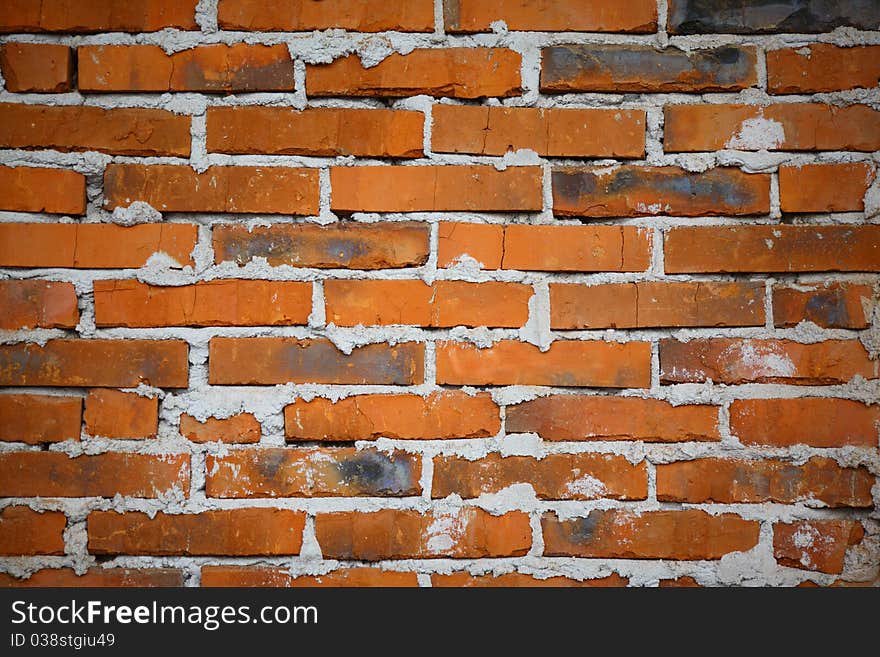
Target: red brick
[241,428]
[788,126]
[567,363]
[685,581]
[269,577]
[54,474]
[648,304]
[93,246]
[270,361]
[552,132]
[633,191]
[815,544]
[554,477]
[33,189]
[38,304]
[116,414]
[75,128]
[97,16]
[442,415]
[482,242]
[820,67]
[576,248]
[831,305]
[617,534]
[36,419]
[781,248]
[346,245]
[448,72]
[95,363]
[729,481]
[806,421]
[324,472]
[230,532]
[177,188]
[638,16]
[36,67]
[24,531]
[734,361]
[824,187]
[518,580]
[306,15]
[442,304]
[319,131]
[210,303]
[469,533]
[216,68]
[97,577]
[435,189]
[570,417]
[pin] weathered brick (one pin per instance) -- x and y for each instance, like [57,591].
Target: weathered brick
[216,68]
[482,242]
[24,531]
[448,72]
[36,67]
[518,580]
[116,131]
[618,534]
[576,248]
[570,417]
[97,577]
[824,187]
[632,191]
[344,245]
[830,305]
[38,304]
[306,15]
[435,189]
[787,126]
[210,303]
[552,132]
[780,248]
[324,472]
[442,415]
[734,360]
[822,67]
[567,363]
[241,428]
[278,577]
[468,16]
[97,16]
[594,67]
[686,581]
[442,304]
[95,363]
[807,421]
[815,544]
[230,532]
[319,131]
[177,188]
[554,477]
[35,419]
[54,474]
[93,246]
[269,361]
[469,533]
[729,481]
[33,189]
[116,414]
[650,304]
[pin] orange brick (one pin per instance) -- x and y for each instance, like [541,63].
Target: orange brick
[435,189]
[824,187]
[442,415]
[815,544]
[101,16]
[305,15]
[831,305]
[32,189]
[241,428]
[97,577]
[268,577]
[469,533]
[679,582]
[448,72]
[36,419]
[177,188]
[567,363]
[821,67]
[24,531]
[443,304]
[551,15]
[576,248]
[115,414]
[571,417]
[38,304]
[518,580]
[36,67]
[552,132]
[482,242]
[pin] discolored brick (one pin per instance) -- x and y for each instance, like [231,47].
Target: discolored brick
[278,577]
[103,16]
[97,577]
[24,531]
[38,304]
[34,189]
[815,544]
[830,305]
[467,16]
[36,419]
[307,15]
[482,242]
[463,579]
[36,67]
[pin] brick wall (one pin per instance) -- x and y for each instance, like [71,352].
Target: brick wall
[358,292]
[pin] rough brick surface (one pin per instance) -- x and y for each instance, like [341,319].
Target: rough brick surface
[115,414]
[824,187]
[33,189]
[267,577]
[306,15]
[468,16]
[98,577]
[822,67]
[36,67]
[832,305]
[815,545]
[25,531]
[241,428]
[38,304]
[105,16]
[35,419]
